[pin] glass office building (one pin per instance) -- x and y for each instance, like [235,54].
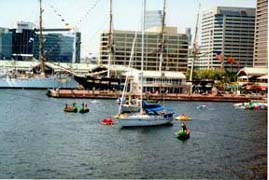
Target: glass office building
[59,47]
[5,43]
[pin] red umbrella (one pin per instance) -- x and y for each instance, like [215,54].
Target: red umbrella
[262,88]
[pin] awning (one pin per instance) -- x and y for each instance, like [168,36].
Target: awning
[243,77]
[263,77]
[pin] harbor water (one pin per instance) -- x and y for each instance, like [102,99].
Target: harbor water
[39,140]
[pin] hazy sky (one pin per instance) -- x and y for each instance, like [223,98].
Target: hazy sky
[92,16]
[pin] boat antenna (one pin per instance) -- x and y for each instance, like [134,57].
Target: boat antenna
[162,36]
[142,54]
[41,43]
[195,49]
[110,38]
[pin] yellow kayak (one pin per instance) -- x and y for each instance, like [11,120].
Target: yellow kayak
[183,117]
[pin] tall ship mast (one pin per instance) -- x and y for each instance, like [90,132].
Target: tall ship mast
[162,36]
[195,49]
[41,42]
[100,78]
[110,38]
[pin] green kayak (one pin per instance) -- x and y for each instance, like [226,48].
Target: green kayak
[84,110]
[183,135]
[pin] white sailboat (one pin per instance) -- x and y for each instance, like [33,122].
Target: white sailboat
[154,116]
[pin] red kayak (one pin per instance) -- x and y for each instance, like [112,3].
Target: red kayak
[107,121]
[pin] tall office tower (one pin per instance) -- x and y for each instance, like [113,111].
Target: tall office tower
[190,58]
[153,19]
[260,58]
[175,53]
[229,31]
[188,33]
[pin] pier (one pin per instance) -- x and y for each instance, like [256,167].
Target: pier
[91,94]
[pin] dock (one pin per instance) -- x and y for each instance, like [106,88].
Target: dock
[94,94]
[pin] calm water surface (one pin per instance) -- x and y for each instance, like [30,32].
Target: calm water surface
[39,140]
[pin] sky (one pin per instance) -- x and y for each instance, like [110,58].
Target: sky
[91,17]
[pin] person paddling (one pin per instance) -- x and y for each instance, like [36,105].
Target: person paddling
[184,127]
[82,105]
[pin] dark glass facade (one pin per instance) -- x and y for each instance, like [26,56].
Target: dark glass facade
[58,47]
[5,44]
[22,41]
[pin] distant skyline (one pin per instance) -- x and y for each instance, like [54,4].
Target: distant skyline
[92,16]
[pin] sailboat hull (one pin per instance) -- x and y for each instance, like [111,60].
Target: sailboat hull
[144,120]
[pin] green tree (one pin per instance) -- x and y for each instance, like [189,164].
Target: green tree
[214,74]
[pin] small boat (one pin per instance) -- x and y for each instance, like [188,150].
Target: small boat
[183,117]
[251,105]
[202,107]
[183,135]
[71,109]
[84,110]
[107,121]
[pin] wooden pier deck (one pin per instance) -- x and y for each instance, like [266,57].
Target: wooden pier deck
[90,94]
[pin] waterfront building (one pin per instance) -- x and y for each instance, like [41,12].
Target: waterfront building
[59,47]
[175,55]
[22,43]
[22,40]
[260,58]
[153,19]
[228,31]
[5,43]
[159,82]
[25,25]
[253,76]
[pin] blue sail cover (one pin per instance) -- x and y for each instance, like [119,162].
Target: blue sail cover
[150,105]
[158,110]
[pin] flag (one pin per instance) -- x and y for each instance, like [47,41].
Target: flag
[31,39]
[230,60]
[219,56]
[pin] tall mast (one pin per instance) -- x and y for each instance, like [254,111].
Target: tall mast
[74,47]
[142,55]
[194,48]
[110,38]
[162,36]
[41,47]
